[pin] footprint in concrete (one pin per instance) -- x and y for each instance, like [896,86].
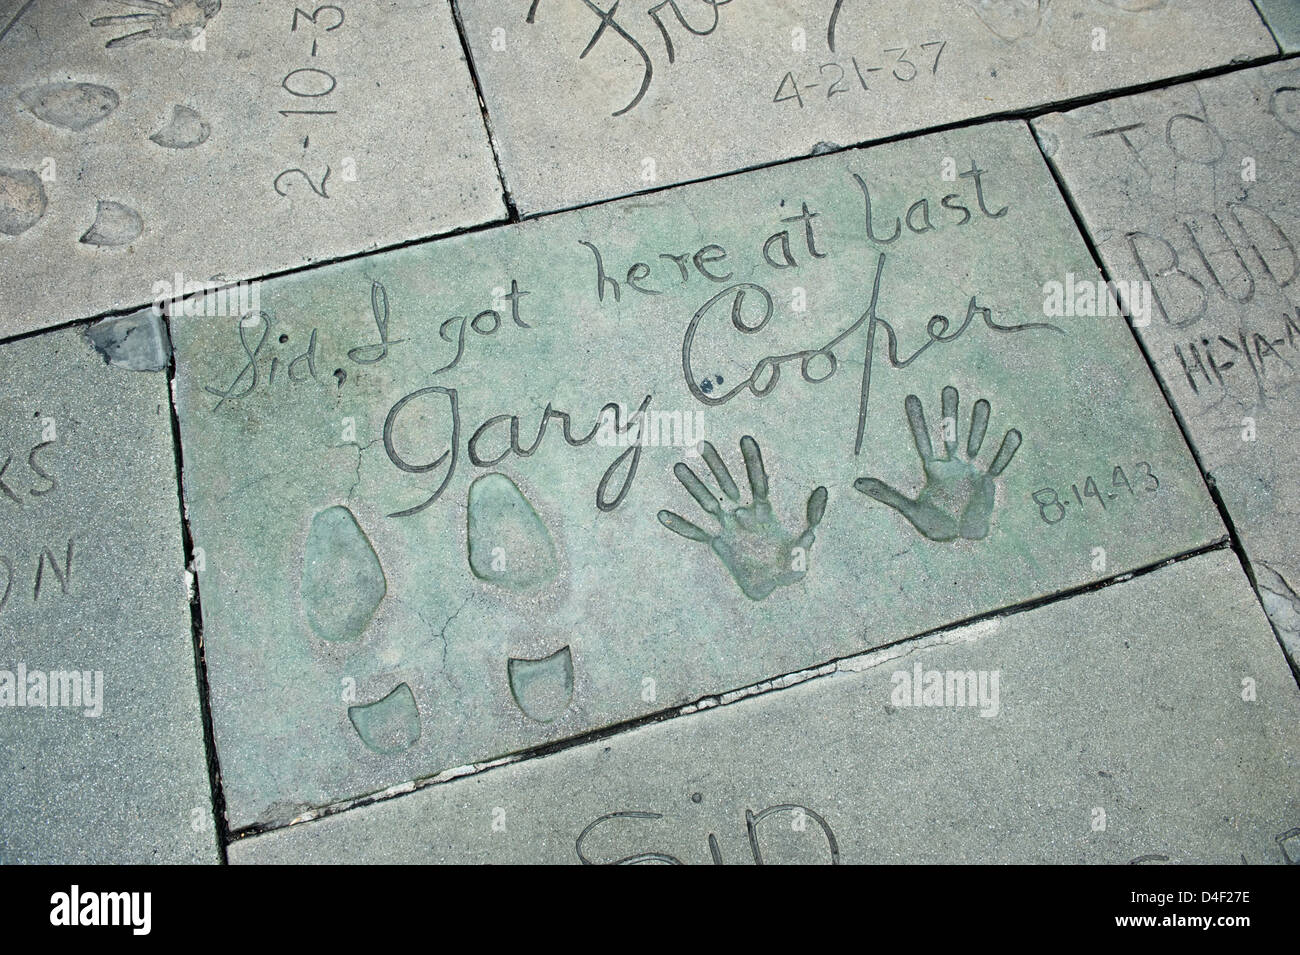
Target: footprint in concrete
[115,225]
[342,581]
[542,688]
[388,725]
[70,105]
[508,544]
[186,130]
[22,200]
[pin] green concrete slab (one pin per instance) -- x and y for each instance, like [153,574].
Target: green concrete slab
[1151,721]
[1283,18]
[102,758]
[391,590]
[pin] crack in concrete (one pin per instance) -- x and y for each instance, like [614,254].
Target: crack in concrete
[361,450]
[1282,606]
[442,633]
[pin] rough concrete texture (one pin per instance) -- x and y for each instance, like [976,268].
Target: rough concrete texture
[147,150]
[395,585]
[586,103]
[102,756]
[1190,192]
[1283,18]
[1150,721]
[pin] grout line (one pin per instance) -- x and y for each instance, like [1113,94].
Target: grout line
[773,684]
[1233,536]
[851,662]
[225,283]
[73,323]
[219,821]
[1267,26]
[482,105]
[1026,114]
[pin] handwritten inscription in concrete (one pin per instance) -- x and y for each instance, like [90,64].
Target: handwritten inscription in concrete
[150,148]
[1191,193]
[590,102]
[476,495]
[100,723]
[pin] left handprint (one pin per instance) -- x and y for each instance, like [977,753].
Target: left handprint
[751,543]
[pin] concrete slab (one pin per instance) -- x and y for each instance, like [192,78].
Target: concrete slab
[1191,193]
[590,103]
[1150,721]
[150,148]
[1283,18]
[102,758]
[430,542]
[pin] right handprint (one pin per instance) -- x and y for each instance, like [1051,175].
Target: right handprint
[958,497]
